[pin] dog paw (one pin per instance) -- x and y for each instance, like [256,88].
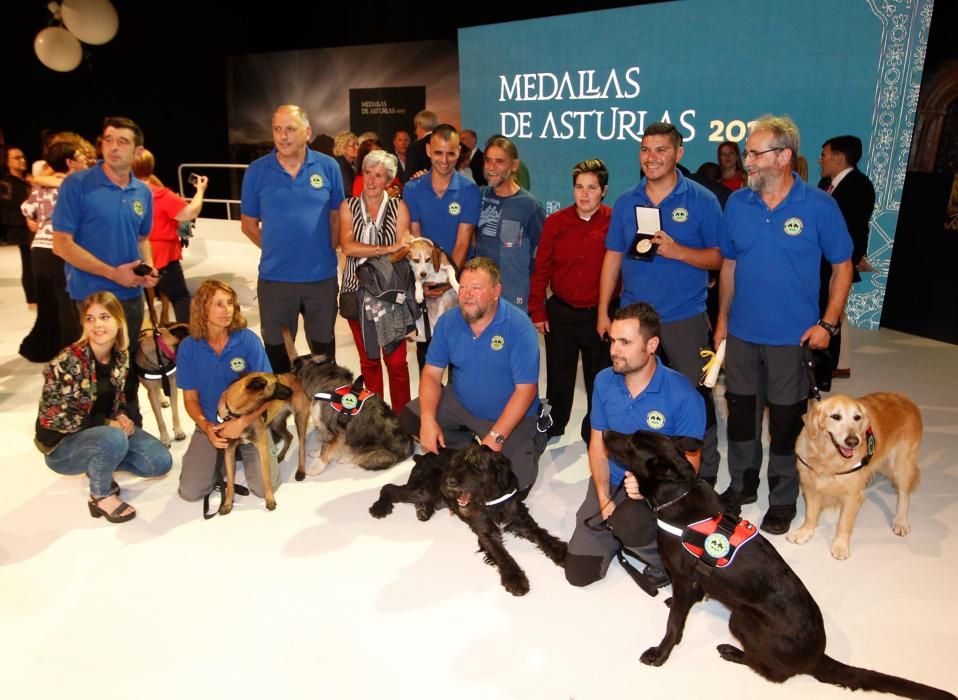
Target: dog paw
[271,504]
[423,512]
[225,508]
[730,653]
[179,435]
[901,527]
[800,536]
[300,474]
[165,403]
[840,550]
[654,656]
[316,467]
[517,584]
[419,296]
[380,509]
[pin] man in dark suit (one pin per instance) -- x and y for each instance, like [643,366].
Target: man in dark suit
[855,196]
[470,141]
[417,159]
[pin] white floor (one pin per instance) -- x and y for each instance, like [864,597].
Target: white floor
[318,599]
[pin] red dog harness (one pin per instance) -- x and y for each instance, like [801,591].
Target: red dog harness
[346,400]
[714,541]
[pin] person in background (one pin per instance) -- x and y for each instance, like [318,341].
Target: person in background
[734,176]
[14,190]
[169,209]
[345,151]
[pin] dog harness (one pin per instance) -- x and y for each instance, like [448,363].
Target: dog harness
[346,400]
[713,541]
[503,498]
[167,366]
[871,443]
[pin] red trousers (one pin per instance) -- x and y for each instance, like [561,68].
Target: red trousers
[373,371]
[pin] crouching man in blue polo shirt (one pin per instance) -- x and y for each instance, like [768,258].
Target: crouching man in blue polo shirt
[493,350]
[636,393]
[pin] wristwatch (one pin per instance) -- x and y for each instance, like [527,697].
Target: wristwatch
[832,330]
[498,437]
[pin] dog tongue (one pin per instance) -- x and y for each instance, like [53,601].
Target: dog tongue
[846,452]
[463,500]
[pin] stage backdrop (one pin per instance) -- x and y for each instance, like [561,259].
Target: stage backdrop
[582,86]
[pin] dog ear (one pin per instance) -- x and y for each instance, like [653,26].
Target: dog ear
[256,384]
[179,330]
[436,258]
[399,255]
[812,420]
[686,444]
[503,471]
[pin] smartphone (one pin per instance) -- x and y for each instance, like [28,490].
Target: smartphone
[142,269]
[193,178]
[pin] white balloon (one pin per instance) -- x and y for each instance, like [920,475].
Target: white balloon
[90,21]
[58,49]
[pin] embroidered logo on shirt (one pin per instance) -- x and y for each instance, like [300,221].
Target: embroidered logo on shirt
[655,420]
[497,343]
[455,208]
[237,364]
[794,226]
[316,180]
[138,208]
[680,215]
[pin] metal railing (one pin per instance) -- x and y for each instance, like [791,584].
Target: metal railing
[190,167]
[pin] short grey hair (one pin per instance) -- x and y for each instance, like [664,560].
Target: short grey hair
[383,158]
[297,112]
[784,131]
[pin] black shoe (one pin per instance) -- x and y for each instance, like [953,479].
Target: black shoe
[656,577]
[778,519]
[733,501]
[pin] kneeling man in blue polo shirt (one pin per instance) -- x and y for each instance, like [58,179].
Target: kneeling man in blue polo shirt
[492,351]
[636,393]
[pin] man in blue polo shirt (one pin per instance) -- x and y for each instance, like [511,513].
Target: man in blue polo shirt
[773,238]
[675,280]
[494,390]
[289,209]
[635,393]
[101,226]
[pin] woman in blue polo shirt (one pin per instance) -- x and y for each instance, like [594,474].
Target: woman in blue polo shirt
[220,350]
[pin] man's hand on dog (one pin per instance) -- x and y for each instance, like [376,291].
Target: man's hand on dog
[434,291]
[632,487]
[430,436]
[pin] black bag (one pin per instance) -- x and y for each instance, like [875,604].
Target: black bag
[349,305]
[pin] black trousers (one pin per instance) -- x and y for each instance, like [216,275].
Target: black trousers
[173,285]
[571,333]
[57,324]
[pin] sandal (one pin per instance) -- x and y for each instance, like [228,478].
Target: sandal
[114,516]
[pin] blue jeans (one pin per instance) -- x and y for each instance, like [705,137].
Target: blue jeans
[104,449]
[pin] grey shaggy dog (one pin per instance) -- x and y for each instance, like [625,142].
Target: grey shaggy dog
[371,439]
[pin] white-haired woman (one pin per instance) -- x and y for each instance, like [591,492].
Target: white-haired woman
[373,224]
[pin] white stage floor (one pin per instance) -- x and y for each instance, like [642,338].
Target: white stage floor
[318,599]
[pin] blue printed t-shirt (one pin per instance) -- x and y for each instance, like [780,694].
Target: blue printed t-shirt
[199,367]
[487,368]
[669,405]
[777,256]
[439,217]
[691,215]
[508,233]
[107,221]
[297,242]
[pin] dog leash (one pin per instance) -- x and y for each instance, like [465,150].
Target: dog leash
[165,370]
[238,490]
[808,360]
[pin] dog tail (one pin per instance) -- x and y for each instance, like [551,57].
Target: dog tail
[290,344]
[853,678]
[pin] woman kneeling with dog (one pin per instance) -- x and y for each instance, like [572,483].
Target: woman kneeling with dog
[370,225]
[82,426]
[220,350]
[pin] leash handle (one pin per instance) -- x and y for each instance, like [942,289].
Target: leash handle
[808,359]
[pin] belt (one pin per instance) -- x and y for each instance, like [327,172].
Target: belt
[567,305]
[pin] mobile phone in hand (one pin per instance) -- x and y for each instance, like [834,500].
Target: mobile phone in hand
[142,269]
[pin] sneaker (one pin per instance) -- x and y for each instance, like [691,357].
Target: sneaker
[778,519]
[733,501]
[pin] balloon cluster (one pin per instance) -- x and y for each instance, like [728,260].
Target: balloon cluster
[90,21]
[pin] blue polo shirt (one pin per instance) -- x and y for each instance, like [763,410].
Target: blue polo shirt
[107,221]
[297,245]
[669,405]
[199,367]
[439,217]
[777,256]
[691,215]
[487,368]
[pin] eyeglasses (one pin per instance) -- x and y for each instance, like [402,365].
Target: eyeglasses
[756,154]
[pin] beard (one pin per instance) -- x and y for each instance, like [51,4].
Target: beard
[472,316]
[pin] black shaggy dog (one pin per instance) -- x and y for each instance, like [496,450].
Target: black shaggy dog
[478,485]
[773,615]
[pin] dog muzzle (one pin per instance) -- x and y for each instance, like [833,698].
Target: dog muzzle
[714,541]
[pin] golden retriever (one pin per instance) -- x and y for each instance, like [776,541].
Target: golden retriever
[845,441]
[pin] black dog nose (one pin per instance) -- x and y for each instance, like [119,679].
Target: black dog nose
[851,441]
[422,274]
[452,482]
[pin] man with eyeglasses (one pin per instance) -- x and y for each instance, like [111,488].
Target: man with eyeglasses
[772,238]
[675,280]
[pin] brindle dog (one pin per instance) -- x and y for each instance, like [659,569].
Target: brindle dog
[246,395]
[477,485]
[774,616]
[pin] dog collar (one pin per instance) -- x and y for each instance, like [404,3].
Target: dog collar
[348,399]
[229,414]
[714,541]
[502,499]
[870,442]
[656,509]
